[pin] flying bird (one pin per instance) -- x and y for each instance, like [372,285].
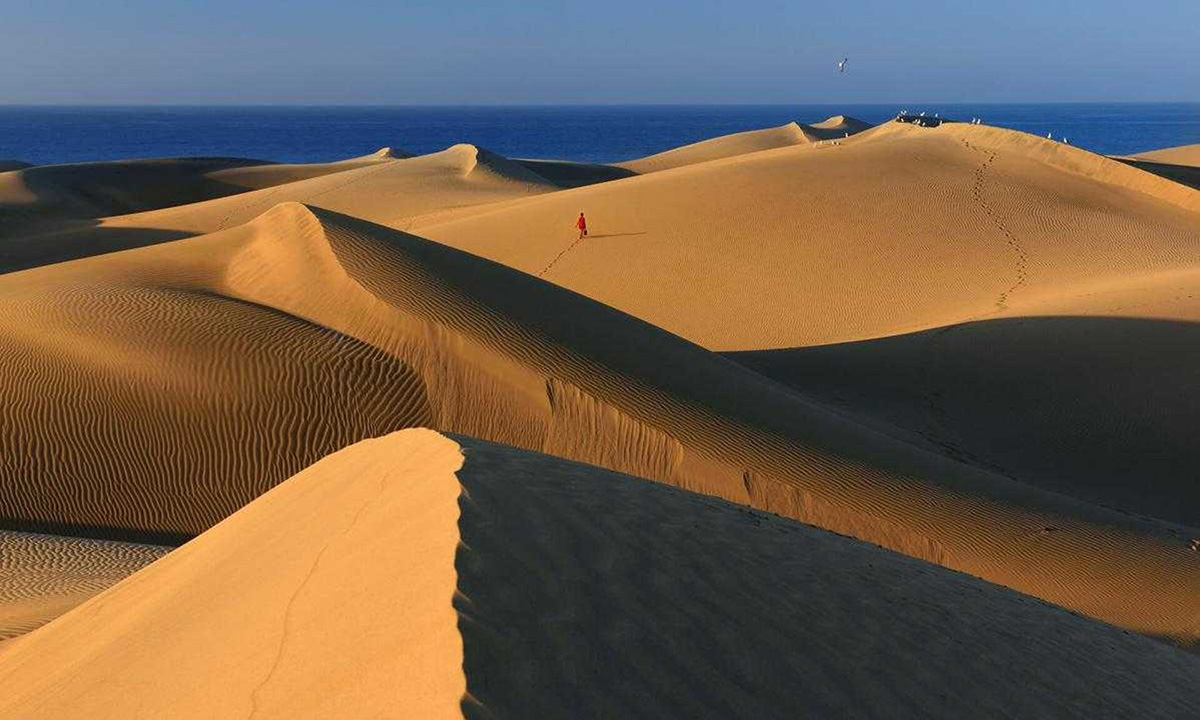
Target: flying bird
[842,65]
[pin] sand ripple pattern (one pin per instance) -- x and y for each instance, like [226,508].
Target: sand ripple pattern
[151,413]
[42,576]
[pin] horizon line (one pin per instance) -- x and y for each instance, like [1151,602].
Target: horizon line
[107,105]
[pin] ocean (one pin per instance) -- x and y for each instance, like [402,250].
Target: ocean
[44,135]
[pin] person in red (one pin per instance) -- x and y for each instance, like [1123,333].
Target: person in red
[581,223]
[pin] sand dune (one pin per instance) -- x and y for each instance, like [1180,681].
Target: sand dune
[838,126]
[720,147]
[1182,155]
[744,143]
[10,165]
[898,229]
[43,576]
[243,356]
[620,597]
[378,187]
[567,174]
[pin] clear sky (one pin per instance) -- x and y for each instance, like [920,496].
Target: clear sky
[605,51]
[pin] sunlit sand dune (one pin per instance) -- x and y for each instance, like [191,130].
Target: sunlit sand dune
[896,229]
[380,583]
[1182,155]
[747,142]
[1181,164]
[43,576]
[33,198]
[382,187]
[242,356]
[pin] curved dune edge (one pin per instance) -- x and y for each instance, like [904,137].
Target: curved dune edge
[44,576]
[329,596]
[1180,155]
[898,229]
[412,576]
[379,188]
[721,147]
[744,143]
[446,339]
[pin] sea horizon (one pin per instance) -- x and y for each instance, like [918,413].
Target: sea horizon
[53,134]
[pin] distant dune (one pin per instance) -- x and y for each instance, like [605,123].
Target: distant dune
[747,142]
[623,598]
[1182,155]
[377,187]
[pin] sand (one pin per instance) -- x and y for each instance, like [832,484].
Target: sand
[1179,164]
[744,143]
[246,355]
[43,576]
[378,584]
[384,187]
[1182,155]
[897,229]
[963,344]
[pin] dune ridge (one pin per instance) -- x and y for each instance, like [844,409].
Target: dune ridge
[1180,155]
[899,229]
[462,344]
[43,576]
[517,565]
[376,187]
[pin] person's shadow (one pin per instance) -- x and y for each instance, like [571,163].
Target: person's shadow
[613,235]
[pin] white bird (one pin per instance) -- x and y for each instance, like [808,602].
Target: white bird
[842,65]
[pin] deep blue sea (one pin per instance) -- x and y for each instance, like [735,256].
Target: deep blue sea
[44,135]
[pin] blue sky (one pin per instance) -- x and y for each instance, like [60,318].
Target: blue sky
[606,51]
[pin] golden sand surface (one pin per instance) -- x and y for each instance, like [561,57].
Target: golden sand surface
[380,582]
[963,344]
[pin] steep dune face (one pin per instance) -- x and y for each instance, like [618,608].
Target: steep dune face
[376,583]
[376,187]
[329,597]
[305,329]
[43,576]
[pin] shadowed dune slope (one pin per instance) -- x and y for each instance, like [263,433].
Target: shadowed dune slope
[1184,174]
[897,229]
[378,187]
[376,583]
[43,576]
[567,174]
[93,190]
[1181,155]
[838,126]
[1100,408]
[191,376]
